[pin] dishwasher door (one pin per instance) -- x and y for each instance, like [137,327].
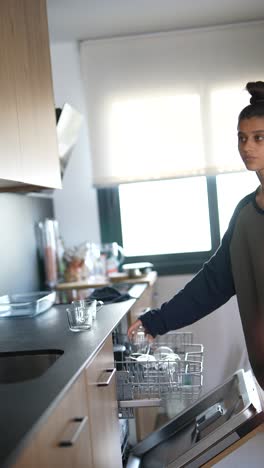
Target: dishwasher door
[206,428]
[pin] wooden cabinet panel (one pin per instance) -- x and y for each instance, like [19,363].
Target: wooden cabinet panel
[92,396]
[35,103]
[28,147]
[45,450]
[10,156]
[28,459]
[102,403]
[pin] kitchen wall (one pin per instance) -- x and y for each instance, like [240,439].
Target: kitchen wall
[20,270]
[75,205]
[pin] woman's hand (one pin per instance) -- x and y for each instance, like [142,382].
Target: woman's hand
[134,328]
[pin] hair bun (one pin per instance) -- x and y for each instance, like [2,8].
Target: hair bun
[256,89]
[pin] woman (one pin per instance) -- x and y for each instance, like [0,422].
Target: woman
[237,267]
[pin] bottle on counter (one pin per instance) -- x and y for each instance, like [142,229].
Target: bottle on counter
[47,238]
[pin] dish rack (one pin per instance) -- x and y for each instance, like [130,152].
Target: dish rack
[152,381]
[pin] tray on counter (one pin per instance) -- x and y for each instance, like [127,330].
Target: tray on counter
[26,305]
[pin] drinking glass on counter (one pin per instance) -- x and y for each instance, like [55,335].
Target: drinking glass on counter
[82,313]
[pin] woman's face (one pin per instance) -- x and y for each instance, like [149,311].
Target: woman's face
[251,143]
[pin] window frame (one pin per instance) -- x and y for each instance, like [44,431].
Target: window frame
[167,264]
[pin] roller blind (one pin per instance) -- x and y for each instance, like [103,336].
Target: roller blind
[166,105]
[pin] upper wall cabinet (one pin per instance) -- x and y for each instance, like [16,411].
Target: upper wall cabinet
[28,140]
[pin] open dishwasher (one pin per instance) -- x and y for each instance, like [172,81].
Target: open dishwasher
[195,428]
[166,375]
[153,374]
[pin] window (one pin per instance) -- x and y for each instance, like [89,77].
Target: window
[164,217]
[163,106]
[225,106]
[176,222]
[142,128]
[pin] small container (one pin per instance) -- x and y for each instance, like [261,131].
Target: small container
[79,318]
[82,313]
[139,341]
[27,305]
[93,305]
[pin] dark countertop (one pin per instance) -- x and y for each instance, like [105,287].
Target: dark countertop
[24,406]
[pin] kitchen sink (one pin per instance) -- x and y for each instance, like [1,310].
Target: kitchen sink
[25,365]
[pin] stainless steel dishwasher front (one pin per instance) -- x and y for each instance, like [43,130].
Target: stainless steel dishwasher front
[206,428]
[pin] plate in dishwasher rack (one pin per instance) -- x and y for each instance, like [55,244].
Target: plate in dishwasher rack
[169,369]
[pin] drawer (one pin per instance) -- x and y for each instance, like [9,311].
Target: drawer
[100,377]
[64,439]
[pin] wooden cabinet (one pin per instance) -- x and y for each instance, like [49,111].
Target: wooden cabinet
[10,159]
[103,413]
[83,430]
[64,440]
[28,143]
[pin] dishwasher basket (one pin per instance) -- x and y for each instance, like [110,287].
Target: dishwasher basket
[156,376]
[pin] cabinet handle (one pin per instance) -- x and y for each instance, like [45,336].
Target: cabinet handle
[73,431]
[106,377]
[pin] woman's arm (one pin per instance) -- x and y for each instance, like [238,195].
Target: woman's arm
[209,289]
[212,287]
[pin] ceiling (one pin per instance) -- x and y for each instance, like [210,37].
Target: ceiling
[85,19]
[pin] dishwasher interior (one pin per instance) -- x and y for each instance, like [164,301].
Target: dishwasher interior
[165,376]
[190,429]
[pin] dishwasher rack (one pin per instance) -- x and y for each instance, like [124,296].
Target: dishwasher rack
[151,381]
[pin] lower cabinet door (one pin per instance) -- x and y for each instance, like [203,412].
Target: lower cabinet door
[64,440]
[104,427]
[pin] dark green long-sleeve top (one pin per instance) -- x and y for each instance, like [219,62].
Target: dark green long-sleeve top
[237,267]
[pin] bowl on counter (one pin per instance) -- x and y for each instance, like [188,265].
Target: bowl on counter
[136,270]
